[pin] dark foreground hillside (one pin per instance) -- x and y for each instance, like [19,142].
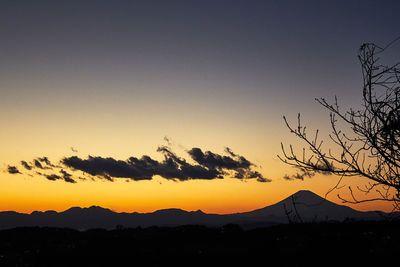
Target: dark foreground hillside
[322,244]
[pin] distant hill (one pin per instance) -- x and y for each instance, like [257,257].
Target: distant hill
[303,206]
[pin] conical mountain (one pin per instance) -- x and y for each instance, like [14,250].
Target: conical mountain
[306,206]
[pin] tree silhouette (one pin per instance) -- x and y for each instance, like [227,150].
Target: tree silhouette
[372,149]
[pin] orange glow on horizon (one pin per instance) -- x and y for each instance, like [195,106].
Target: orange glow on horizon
[219,196]
[25,194]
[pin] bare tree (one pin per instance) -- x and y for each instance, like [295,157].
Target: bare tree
[372,148]
[292,215]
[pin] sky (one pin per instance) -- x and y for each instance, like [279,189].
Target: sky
[199,87]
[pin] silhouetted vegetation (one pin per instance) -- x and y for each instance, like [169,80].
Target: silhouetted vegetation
[193,245]
[369,146]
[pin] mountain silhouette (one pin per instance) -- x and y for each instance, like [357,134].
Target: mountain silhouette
[307,206]
[303,206]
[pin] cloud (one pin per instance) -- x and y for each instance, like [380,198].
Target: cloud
[176,167]
[304,173]
[168,140]
[67,177]
[230,152]
[239,164]
[37,164]
[106,167]
[52,177]
[41,163]
[208,166]
[299,175]
[13,170]
[215,161]
[172,167]
[203,166]
[249,174]
[46,161]
[26,165]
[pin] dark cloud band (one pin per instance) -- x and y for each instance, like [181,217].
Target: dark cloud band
[207,166]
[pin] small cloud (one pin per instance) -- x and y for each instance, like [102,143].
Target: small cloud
[168,140]
[52,177]
[26,165]
[67,177]
[299,175]
[230,152]
[13,170]
[46,161]
[37,164]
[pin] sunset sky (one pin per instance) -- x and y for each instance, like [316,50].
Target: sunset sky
[88,83]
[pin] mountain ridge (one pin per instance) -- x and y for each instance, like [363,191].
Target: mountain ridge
[302,206]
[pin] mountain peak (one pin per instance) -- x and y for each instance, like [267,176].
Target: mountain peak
[305,192]
[170,211]
[73,209]
[97,208]
[305,196]
[47,212]
[198,211]
[305,199]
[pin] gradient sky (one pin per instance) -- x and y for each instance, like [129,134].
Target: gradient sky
[114,78]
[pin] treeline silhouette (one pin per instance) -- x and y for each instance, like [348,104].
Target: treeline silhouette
[194,245]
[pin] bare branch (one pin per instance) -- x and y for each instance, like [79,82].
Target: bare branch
[372,150]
